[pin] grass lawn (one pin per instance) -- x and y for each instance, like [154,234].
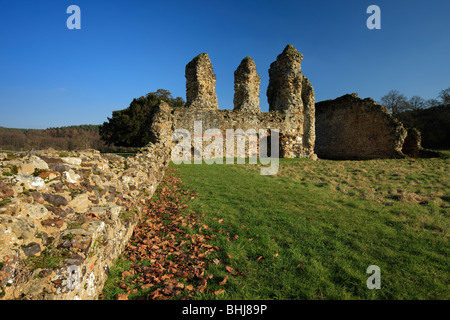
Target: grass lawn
[312,230]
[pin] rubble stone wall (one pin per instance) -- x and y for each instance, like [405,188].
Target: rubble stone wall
[350,128]
[290,126]
[291,111]
[201,83]
[246,87]
[65,218]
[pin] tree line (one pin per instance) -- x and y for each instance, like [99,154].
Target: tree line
[397,102]
[62,138]
[125,131]
[431,117]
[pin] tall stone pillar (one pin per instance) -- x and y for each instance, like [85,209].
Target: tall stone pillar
[291,93]
[285,81]
[246,87]
[201,83]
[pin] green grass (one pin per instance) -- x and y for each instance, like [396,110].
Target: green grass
[49,258]
[4,201]
[319,224]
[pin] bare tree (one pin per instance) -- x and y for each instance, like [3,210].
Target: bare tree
[444,95]
[417,102]
[432,103]
[395,102]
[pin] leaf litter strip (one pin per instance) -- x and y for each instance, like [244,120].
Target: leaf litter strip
[168,249]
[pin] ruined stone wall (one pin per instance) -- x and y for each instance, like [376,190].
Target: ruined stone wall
[291,112]
[412,146]
[353,128]
[290,92]
[201,83]
[246,87]
[289,126]
[65,219]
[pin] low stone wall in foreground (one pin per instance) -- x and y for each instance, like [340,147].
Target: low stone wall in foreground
[65,218]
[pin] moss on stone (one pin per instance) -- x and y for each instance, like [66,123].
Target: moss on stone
[49,258]
[5,201]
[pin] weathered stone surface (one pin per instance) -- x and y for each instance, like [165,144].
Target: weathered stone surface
[29,182]
[25,168]
[70,176]
[412,146]
[59,167]
[37,197]
[246,87]
[20,228]
[290,92]
[289,126]
[97,180]
[55,199]
[284,92]
[58,223]
[38,163]
[309,116]
[80,203]
[31,248]
[201,83]
[34,211]
[5,191]
[72,160]
[162,125]
[10,264]
[353,128]
[83,220]
[49,175]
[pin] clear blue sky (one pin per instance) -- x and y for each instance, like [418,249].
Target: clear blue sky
[52,76]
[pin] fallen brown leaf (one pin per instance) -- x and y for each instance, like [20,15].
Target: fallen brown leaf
[221,283]
[146,286]
[122,296]
[230,270]
[173,253]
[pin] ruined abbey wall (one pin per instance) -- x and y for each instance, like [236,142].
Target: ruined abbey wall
[353,128]
[290,94]
[347,128]
[290,128]
[60,231]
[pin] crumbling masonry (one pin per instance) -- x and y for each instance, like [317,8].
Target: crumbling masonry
[290,94]
[347,128]
[351,128]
